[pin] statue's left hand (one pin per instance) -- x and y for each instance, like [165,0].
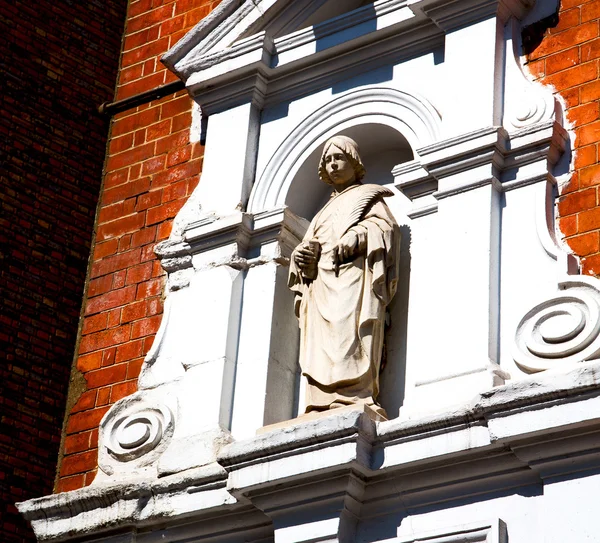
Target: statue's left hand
[346,248]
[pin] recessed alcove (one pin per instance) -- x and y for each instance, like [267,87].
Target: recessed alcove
[381,148]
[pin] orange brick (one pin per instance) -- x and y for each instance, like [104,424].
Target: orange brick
[109,356]
[149,288]
[119,279]
[122,389]
[584,114]
[590,176]
[564,40]
[561,61]
[153,165]
[144,236]
[590,11]
[122,192]
[537,68]
[154,306]
[135,366]
[573,77]
[78,463]
[120,144]
[133,311]
[180,104]
[126,158]
[106,376]
[77,442]
[103,398]
[144,52]
[138,7]
[114,318]
[568,225]
[86,401]
[577,201]
[106,248]
[172,25]
[591,265]
[86,420]
[183,154]
[145,327]
[176,173]
[67,484]
[135,121]
[589,220]
[90,476]
[164,211]
[102,340]
[588,134]
[129,351]
[585,244]
[571,97]
[167,144]
[111,299]
[121,226]
[589,92]
[94,323]
[567,20]
[89,362]
[139,273]
[163,230]
[114,179]
[150,18]
[175,191]
[192,17]
[585,156]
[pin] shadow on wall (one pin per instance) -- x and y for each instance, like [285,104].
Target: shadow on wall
[393,375]
[387,527]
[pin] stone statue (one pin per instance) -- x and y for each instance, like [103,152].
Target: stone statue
[344,275]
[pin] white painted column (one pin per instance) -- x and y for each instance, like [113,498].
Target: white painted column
[463,355]
[267,374]
[473,67]
[229,159]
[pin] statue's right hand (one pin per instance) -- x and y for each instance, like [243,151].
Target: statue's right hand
[304,257]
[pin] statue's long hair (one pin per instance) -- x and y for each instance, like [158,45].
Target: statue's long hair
[350,148]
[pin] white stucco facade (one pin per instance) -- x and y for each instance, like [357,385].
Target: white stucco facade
[494,340]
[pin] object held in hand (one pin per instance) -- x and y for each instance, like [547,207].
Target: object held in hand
[310,272]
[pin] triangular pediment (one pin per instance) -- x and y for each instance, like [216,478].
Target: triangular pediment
[235,20]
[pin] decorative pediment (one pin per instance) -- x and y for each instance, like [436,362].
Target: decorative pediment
[261,46]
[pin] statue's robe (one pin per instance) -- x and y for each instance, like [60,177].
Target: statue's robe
[341,313]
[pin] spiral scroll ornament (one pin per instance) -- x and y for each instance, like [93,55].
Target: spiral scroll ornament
[135,429]
[563,329]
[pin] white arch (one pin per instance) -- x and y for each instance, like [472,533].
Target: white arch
[411,115]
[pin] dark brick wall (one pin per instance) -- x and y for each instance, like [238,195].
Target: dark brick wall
[58,62]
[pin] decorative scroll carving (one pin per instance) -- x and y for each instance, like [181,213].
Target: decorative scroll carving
[132,430]
[563,329]
[526,103]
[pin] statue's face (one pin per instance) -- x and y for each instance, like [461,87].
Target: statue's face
[338,167]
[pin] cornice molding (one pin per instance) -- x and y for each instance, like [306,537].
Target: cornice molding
[498,441]
[223,74]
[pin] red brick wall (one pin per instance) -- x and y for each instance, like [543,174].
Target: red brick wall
[150,171]
[152,168]
[58,62]
[568,59]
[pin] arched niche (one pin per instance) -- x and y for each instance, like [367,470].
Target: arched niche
[389,126]
[381,148]
[409,120]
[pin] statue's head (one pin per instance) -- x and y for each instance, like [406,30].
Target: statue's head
[347,146]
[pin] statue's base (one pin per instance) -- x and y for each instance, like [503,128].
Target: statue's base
[375,413]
